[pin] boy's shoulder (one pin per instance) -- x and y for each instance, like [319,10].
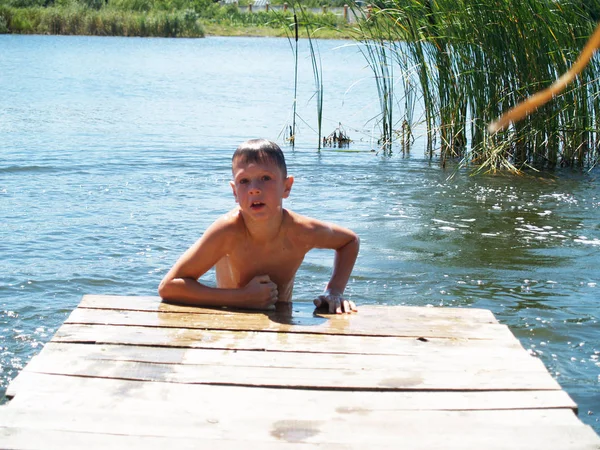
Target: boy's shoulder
[228,224]
[308,232]
[300,223]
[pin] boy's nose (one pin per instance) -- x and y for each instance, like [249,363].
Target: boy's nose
[254,188]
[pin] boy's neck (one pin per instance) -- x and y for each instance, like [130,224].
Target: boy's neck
[265,231]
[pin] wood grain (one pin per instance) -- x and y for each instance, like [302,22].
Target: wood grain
[553,429]
[134,372]
[355,324]
[47,390]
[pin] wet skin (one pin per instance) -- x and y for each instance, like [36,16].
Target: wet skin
[257,248]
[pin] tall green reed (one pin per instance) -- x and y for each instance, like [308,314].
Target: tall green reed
[293,133]
[471,60]
[317,68]
[302,18]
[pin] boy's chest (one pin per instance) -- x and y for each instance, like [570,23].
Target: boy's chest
[279,260]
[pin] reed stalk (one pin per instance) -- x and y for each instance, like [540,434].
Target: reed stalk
[471,60]
[301,17]
[293,134]
[317,67]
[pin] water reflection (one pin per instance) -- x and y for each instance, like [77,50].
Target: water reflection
[300,314]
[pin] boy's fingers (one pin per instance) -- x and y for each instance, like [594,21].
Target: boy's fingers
[346,307]
[335,306]
[263,278]
[321,301]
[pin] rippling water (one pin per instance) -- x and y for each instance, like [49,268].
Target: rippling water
[115,157]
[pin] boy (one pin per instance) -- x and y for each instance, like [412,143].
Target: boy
[257,247]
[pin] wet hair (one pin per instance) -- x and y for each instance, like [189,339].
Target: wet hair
[260,151]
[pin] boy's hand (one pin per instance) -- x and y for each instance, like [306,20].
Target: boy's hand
[261,292]
[336,303]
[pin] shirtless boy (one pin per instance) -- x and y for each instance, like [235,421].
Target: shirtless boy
[257,247]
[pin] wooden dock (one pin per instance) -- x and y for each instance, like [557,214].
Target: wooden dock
[132,372]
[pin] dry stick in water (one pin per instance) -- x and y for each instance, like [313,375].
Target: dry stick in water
[529,105]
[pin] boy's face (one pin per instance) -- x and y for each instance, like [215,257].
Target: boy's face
[259,188]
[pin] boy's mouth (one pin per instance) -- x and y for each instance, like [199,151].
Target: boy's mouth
[257,205]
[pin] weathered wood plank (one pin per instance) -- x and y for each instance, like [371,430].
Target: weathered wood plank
[411,378]
[26,438]
[301,309]
[421,376]
[345,324]
[251,340]
[33,390]
[554,429]
[458,359]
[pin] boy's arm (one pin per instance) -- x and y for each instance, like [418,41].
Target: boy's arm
[346,245]
[181,283]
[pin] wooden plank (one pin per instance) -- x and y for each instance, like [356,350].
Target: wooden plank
[250,340]
[554,429]
[340,325]
[31,390]
[419,376]
[300,309]
[27,438]
[458,360]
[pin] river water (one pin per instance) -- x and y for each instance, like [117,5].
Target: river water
[115,156]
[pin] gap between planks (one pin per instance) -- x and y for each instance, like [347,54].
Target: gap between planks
[36,389]
[336,325]
[150,303]
[291,371]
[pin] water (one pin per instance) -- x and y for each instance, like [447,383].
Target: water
[115,157]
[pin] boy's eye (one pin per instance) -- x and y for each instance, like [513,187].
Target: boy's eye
[243,181]
[266,177]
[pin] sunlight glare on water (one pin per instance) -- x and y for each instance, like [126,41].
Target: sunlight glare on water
[116,156]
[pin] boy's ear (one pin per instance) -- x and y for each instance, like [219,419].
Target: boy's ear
[232,184]
[288,186]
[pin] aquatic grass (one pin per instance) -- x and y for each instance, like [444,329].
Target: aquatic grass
[472,60]
[383,51]
[295,49]
[168,18]
[300,19]
[76,20]
[3,25]
[377,54]
[317,68]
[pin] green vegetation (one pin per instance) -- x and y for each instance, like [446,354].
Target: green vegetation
[104,22]
[229,20]
[168,18]
[464,61]
[471,60]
